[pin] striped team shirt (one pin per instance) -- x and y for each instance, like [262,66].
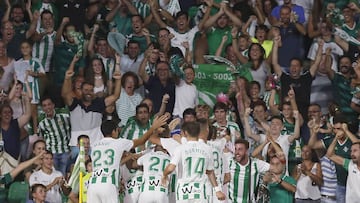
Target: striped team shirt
[238,187]
[132,179]
[133,130]
[43,50]
[34,65]
[56,131]
[154,163]
[142,8]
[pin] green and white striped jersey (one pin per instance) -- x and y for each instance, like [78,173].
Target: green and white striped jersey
[132,178]
[238,187]
[56,130]
[133,130]
[109,65]
[43,50]
[106,155]
[154,163]
[192,159]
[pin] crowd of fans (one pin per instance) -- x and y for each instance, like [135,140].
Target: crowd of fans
[118,76]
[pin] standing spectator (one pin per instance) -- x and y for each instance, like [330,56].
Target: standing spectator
[220,112]
[344,139]
[351,166]
[67,49]
[140,33]
[97,76]
[341,83]
[7,64]
[296,10]
[88,109]
[43,47]
[244,173]
[38,194]
[159,85]
[74,10]
[54,126]
[132,60]
[186,94]
[291,31]
[10,128]
[16,30]
[350,26]
[308,175]
[39,146]
[129,99]
[301,83]
[120,15]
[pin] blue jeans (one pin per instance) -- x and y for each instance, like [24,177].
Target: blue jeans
[60,161]
[340,194]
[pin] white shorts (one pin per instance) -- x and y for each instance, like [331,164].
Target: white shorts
[153,197]
[102,193]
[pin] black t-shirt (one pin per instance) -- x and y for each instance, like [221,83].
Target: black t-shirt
[302,88]
[353,52]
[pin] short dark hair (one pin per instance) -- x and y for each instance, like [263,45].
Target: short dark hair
[192,128]
[141,105]
[189,111]
[46,97]
[242,141]
[276,117]
[82,137]
[137,15]
[38,141]
[49,152]
[36,186]
[261,27]
[107,127]
[220,105]
[46,12]
[297,59]
[133,42]
[181,13]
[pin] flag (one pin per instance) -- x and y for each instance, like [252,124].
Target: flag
[78,171]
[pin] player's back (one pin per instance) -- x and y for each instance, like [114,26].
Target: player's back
[106,155]
[196,158]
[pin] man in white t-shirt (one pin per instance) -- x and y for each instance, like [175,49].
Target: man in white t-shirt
[353,168]
[106,155]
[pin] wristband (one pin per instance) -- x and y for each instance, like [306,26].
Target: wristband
[217,189]
[281,180]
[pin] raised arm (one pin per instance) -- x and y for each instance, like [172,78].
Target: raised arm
[117,76]
[24,119]
[275,49]
[314,67]
[349,134]
[206,16]
[130,7]
[342,43]
[314,143]
[158,122]
[91,45]
[236,21]
[211,21]
[32,28]
[296,134]
[274,108]
[66,91]
[60,30]
[23,165]
[247,127]
[6,16]
[221,46]
[328,63]
[234,34]
[154,12]
[110,16]
[142,73]
[331,153]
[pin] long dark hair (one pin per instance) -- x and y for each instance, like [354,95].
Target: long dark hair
[90,75]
